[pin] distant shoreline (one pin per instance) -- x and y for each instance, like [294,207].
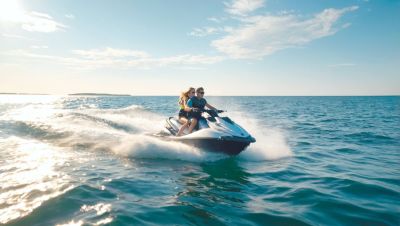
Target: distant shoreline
[24,94]
[72,94]
[97,94]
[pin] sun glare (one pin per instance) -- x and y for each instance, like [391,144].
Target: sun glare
[11,10]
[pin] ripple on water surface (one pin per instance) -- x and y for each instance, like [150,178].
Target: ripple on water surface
[90,161]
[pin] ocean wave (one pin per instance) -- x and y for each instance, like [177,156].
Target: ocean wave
[99,120]
[31,176]
[32,130]
[369,137]
[347,151]
[78,204]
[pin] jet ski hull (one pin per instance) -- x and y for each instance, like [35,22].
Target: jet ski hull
[230,139]
[230,147]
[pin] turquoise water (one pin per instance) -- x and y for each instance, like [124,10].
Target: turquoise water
[73,160]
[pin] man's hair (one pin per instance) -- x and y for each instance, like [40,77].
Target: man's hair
[199,89]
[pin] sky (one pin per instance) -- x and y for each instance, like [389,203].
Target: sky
[229,47]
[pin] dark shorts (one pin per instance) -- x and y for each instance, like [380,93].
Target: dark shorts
[183,113]
[196,115]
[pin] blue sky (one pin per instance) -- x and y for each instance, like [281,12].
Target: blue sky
[231,47]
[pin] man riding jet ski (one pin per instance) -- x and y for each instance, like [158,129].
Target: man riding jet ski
[210,131]
[214,133]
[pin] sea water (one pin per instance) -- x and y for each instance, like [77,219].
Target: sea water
[91,160]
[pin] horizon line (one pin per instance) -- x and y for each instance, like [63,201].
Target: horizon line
[158,95]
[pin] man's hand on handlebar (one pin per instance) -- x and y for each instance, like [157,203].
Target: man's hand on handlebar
[196,110]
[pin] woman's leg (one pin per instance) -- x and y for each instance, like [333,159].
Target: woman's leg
[183,120]
[183,127]
[192,124]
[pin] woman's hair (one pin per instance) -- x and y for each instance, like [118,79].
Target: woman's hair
[185,95]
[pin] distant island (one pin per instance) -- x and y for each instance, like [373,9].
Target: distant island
[97,94]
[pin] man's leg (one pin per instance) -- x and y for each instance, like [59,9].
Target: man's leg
[192,125]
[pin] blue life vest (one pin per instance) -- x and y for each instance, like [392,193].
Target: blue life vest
[195,102]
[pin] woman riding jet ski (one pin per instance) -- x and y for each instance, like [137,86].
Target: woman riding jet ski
[210,131]
[214,133]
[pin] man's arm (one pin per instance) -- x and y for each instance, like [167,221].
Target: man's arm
[210,106]
[189,105]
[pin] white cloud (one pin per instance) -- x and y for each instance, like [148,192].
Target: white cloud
[119,58]
[40,22]
[16,37]
[342,65]
[70,16]
[12,13]
[108,53]
[140,59]
[39,47]
[258,36]
[40,15]
[214,19]
[346,25]
[217,19]
[187,59]
[243,7]
[201,32]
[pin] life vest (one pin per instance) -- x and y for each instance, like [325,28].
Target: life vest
[198,103]
[181,103]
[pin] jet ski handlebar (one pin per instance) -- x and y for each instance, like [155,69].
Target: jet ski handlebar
[212,113]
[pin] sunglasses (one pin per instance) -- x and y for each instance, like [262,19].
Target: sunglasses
[201,92]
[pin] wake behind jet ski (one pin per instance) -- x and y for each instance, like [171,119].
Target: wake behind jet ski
[213,133]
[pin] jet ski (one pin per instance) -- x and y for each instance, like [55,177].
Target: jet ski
[213,133]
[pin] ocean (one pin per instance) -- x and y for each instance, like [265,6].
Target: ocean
[91,160]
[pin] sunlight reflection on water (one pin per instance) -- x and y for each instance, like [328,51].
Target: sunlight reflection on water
[30,177]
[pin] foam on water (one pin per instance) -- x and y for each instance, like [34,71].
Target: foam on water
[125,132]
[99,212]
[270,143]
[143,146]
